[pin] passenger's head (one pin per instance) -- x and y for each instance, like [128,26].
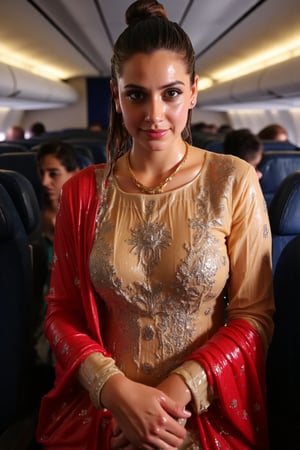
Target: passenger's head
[37,129]
[14,133]
[225,129]
[148,32]
[245,145]
[95,126]
[273,132]
[56,162]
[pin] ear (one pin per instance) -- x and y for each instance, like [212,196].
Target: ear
[115,94]
[194,92]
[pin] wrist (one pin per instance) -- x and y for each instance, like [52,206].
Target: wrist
[112,389]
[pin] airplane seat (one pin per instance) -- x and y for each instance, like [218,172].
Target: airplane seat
[202,139]
[276,166]
[6,147]
[96,146]
[84,156]
[284,214]
[215,146]
[23,196]
[17,421]
[283,359]
[279,145]
[24,163]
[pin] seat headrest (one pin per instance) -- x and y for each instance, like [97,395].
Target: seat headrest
[284,208]
[8,216]
[23,196]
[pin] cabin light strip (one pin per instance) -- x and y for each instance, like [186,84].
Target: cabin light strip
[30,65]
[267,59]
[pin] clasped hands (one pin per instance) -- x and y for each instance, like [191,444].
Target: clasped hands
[146,417]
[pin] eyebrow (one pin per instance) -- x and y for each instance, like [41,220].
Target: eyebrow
[136,86]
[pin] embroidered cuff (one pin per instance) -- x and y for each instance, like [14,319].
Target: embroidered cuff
[195,378]
[93,373]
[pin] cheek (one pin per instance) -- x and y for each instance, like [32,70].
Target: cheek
[132,117]
[179,113]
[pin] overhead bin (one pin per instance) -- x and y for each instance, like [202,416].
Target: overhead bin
[283,79]
[7,83]
[279,81]
[20,84]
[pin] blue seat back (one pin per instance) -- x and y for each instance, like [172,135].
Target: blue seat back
[24,163]
[284,214]
[283,361]
[275,167]
[24,198]
[279,145]
[15,312]
[7,147]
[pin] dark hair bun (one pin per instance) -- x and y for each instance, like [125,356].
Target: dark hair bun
[143,9]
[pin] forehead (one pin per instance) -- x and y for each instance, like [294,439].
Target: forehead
[50,162]
[159,67]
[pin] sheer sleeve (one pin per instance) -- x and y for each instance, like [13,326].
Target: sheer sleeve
[250,286]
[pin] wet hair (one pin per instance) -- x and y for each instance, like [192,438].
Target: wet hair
[148,29]
[63,151]
[271,132]
[242,143]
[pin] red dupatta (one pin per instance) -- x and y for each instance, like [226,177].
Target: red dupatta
[233,358]
[235,366]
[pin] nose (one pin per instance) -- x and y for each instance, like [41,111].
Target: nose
[45,180]
[155,109]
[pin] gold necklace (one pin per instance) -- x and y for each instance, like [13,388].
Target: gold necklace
[159,188]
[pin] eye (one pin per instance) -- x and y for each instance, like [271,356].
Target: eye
[172,93]
[135,96]
[53,174]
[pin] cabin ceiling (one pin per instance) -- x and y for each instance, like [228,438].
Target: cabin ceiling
[74,38]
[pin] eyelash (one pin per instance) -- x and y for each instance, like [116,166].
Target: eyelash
[139,96]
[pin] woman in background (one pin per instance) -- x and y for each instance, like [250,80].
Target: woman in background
[56,163]
[149,355]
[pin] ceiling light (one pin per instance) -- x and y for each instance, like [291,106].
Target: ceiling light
[267,59]
[30,65]
[204,83]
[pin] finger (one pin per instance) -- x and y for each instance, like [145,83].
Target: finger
[174,409]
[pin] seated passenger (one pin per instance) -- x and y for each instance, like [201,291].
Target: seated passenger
[56,162]
[14,133]
[273,132]
[245,145]
[37,129]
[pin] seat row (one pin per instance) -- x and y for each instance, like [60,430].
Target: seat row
[21,286]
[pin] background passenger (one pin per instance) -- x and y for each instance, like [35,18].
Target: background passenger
[245,145]
[14,133]
[273,132]
[56,163]
[37,129]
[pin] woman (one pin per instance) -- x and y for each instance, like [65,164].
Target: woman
[56,163]
[149,354]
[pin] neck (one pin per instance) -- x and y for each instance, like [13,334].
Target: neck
[162,179]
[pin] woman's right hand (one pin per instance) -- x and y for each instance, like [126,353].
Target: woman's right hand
[146,416]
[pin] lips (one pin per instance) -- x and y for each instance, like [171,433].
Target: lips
[155,134]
